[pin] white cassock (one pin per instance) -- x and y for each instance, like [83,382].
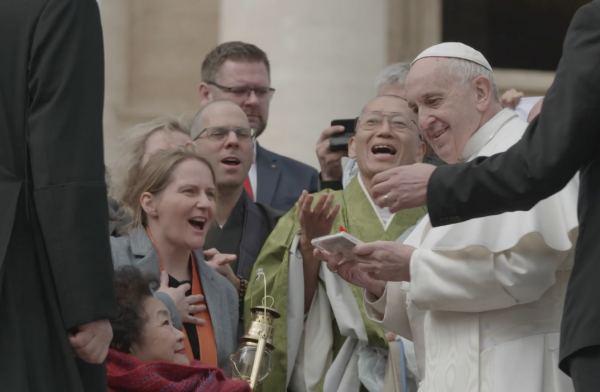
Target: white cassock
[485,300]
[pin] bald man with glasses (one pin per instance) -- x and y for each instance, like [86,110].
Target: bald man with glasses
[222,133]
[240,73]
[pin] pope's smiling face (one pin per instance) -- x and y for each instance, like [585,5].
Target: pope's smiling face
[447,108]
[377,146]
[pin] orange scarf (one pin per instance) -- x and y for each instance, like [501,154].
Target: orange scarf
[206,333]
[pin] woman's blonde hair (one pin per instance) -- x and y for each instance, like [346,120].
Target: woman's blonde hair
[130,152]
[156,175]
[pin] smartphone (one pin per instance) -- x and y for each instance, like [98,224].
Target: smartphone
[339,141]
[341,243]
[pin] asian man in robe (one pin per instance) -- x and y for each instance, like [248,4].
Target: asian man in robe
[323,329]
[482,300]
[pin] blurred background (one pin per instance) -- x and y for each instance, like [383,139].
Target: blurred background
[324,54]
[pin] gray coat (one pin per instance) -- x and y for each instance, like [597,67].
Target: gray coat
[220,296]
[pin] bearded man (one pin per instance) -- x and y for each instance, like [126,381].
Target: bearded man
[324,333]
[482,300]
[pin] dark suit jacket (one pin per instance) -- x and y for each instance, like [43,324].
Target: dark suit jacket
[259,222]
[52,166]
[563,139]
[281,180]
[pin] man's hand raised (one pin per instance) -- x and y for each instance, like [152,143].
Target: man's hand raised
[315,222]
[92,340]
[330,161]
[402,187]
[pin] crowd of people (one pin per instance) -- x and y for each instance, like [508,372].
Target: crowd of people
[198,213]
[183,210]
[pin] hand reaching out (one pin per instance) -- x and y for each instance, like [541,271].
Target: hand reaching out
[511,98]
[402,187]
[385,260]
[314,223]
[350,271]
[221,263]
[318,221]
[186,306]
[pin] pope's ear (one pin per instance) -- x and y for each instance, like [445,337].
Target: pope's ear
[351,148]
[421,150]
[484,92]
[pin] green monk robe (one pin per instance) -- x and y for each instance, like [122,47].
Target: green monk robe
[358,216]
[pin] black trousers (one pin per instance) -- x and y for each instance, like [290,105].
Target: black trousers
[585,369]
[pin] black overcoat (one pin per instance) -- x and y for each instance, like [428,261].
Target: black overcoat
[563,139]
[55,260]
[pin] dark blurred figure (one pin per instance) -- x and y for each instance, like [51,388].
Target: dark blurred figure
[56,287]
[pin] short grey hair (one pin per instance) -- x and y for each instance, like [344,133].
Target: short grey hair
[198,121]
[124,173]
[467,70]
[394,73]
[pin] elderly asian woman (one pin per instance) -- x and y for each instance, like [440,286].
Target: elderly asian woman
[147,352]
[173,204]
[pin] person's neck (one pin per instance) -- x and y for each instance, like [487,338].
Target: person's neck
[175,260]
[227,198]
[490,113]
[368,183]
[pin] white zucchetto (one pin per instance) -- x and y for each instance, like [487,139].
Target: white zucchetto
[454,50]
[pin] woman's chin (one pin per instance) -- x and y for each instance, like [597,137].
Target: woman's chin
[195,241]
[181,359]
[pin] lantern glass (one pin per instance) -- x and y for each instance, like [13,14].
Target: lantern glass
[243,360]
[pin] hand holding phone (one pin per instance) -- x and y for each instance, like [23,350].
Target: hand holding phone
[339,141]
[332,146]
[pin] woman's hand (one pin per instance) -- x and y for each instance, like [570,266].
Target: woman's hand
[350,271]
[220,263]
[316,222]
[186,305]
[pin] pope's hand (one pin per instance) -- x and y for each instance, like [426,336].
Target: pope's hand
[349,271]
[385,260]
[402,187]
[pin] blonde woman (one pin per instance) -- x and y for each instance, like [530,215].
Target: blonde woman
[135,148]
[173,205]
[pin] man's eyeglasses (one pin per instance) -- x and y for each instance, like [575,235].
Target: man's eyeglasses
[396,121]
[219,134]
[244,92]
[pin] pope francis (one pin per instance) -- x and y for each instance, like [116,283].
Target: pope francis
[482,300]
